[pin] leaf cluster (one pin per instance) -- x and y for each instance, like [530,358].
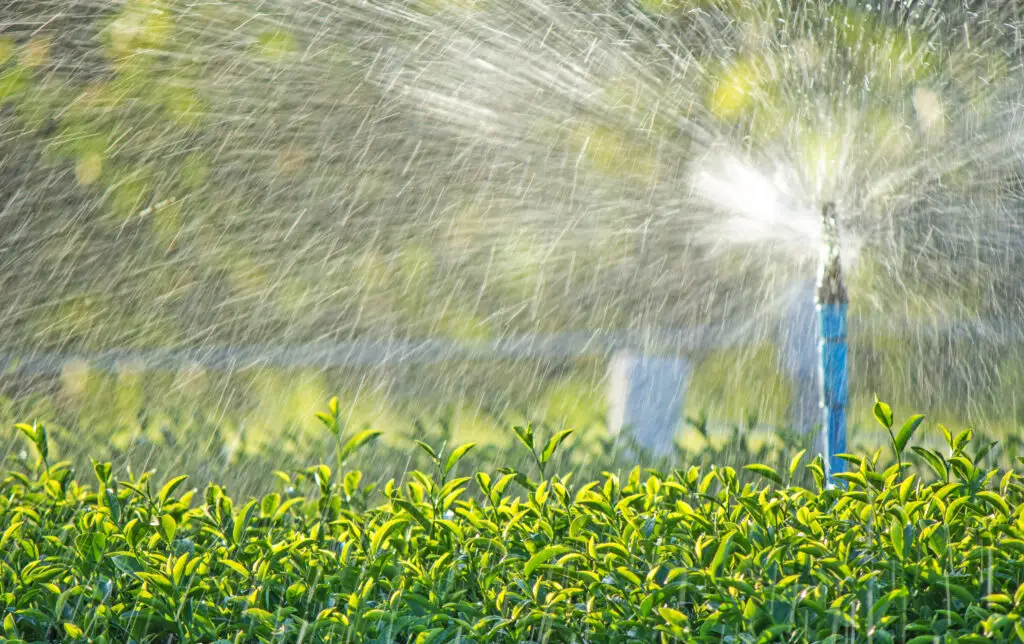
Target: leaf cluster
[687,554]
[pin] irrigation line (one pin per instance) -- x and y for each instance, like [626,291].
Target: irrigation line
[376,352]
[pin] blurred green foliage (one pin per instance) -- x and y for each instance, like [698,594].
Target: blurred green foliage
[184,177]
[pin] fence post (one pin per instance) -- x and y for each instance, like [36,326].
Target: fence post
[646,396]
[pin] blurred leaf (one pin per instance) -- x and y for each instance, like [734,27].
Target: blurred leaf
[357,441]
[429,450]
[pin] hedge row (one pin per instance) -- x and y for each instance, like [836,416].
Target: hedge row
[513,556]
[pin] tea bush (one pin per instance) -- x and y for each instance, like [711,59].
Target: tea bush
[522,555]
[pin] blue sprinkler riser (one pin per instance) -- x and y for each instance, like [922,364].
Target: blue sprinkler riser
[833,365]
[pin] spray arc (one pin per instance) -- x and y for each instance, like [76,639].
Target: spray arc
[831,303]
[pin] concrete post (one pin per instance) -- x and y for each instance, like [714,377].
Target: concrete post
[647,394]
[799,351]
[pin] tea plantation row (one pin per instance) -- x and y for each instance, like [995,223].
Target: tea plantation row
[935,554]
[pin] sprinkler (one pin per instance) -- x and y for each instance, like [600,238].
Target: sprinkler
[831,302]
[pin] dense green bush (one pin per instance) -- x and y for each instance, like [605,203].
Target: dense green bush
[522,555]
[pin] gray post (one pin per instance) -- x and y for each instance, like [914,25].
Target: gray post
[799,351]
[646,396]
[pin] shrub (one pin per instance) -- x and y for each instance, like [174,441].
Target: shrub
[526,555]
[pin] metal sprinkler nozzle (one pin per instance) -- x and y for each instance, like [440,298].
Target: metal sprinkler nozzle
[831,289]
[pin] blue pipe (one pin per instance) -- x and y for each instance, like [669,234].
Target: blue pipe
[833,376]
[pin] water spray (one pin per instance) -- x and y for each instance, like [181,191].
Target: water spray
[831,302]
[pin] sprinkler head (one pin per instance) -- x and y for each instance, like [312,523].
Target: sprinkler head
[831,289]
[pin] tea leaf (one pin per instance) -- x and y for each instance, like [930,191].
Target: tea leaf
[764,471]
[997,501]
[553,443]
[168,528]
[793,464]
[457,454]
[429,450]
[896,537]
[168,489]
[102,472]
[907,431]
[543,556]
[384,531]
[415,513]
[72,631]
[883,413]
[525,435]
[722,554]
[357,441]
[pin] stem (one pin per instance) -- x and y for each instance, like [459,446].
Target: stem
[899,456]
[338,456]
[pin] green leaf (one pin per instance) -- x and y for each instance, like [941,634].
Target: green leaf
[962,439]
[996,500]
[28,430]
[323,478]
[429,450]
[543,556]
[958,591]
[883,413]
[91,545]
[952,508]
[42,444]
[72,631]
[328,421]
[265,617]
[102,471]
[764,471]
[168,526]
[11,529]
[357,441]
[283,509]
[169,488]
[947,435]
[672,616]
[934,460]
[241,522]
[145,623]
[907,431]
[127,563]
[237,567]
[722,554]
[269,504]
[553,443]
[383,532]
[454,457]
[896,537]
[10,627]
[416,513]
[483,479]
[525,435]
[796,462]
